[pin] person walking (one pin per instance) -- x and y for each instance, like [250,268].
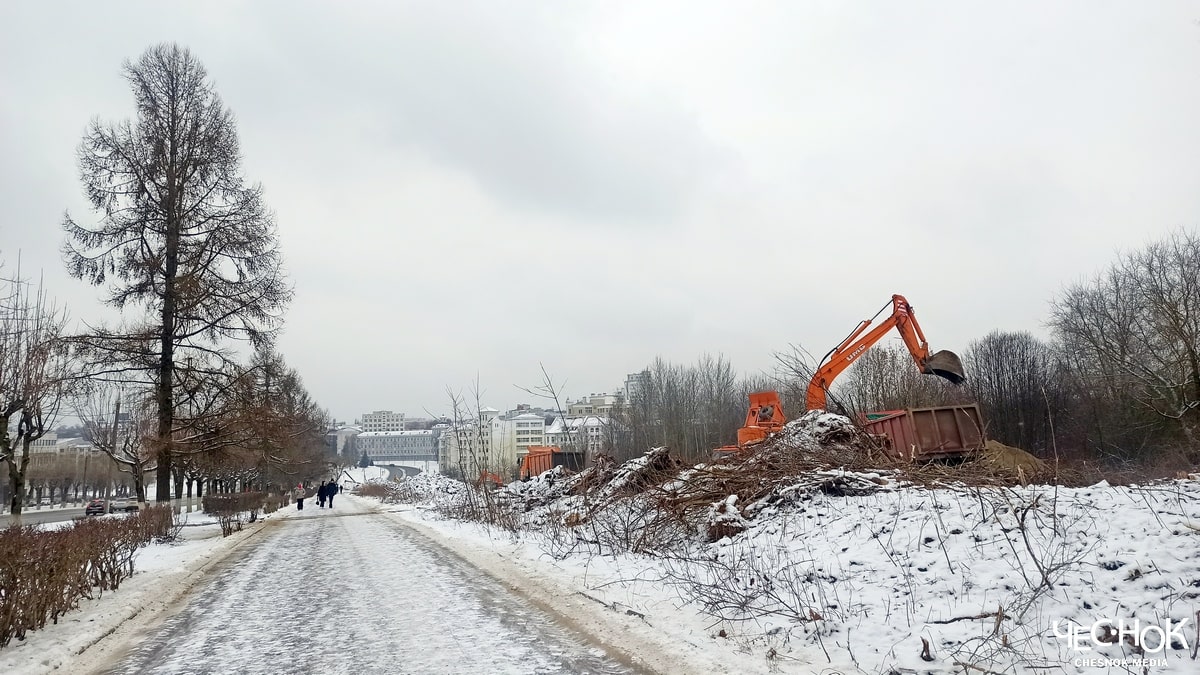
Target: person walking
[299,493]
[322,492]
[330,492]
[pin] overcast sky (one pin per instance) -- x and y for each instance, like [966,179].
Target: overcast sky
[477,188]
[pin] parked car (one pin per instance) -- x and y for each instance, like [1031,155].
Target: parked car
[96,507]
[122,504]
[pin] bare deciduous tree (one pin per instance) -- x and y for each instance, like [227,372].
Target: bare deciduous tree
[34,375]
[180,237]
[690,409]
[1133,331]
[1021,385]
[119,423]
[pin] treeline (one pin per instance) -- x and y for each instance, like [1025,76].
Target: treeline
[1117,379]
[185,387]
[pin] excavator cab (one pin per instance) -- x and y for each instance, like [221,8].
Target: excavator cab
[764,417]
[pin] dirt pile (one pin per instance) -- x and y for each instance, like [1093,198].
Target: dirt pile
[1007,460]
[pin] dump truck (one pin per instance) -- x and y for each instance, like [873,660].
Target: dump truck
[541,458]
[915,434]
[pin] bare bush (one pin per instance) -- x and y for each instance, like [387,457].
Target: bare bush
[44,574]
[230,508]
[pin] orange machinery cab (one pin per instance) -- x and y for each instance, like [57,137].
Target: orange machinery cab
[764,418]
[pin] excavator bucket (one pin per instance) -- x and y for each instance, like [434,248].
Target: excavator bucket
[946,364]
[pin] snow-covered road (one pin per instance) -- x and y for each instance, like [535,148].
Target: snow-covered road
[348,590]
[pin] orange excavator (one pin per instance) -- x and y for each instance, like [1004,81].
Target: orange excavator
[766,417]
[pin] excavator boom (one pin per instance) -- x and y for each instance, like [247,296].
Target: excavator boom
[945,364]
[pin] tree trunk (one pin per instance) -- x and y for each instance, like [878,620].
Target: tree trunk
[166,366]
[16,484]
[139,486]
[17,466]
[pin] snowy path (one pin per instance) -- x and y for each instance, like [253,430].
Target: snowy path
[350,591]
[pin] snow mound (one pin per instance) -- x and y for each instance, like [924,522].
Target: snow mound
[817,429]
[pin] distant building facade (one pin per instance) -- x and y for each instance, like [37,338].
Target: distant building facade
[587,434]
[340,440]
[381,420]
[636,385]
[396,446]
[595,404]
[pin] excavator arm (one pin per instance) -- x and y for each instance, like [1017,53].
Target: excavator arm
[944,364]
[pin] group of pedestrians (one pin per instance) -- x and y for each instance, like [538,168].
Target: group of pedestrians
[325,494]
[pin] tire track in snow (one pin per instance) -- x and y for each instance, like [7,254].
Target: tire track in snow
[332,593]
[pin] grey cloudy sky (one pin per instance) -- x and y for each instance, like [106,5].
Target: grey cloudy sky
[469,188]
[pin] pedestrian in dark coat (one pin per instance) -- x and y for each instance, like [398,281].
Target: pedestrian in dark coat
[333,490]
[322,493]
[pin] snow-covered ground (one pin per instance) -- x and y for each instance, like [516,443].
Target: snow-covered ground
[353,477]
[827,583]
[817,582]
[164,573]
[347,590]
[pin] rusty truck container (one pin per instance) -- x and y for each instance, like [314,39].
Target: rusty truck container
[542,458]
[929,433]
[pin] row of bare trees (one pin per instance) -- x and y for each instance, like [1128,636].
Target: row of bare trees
[184,386]
[235,425]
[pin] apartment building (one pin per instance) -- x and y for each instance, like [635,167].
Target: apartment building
[595,404]
[523,431]
[585,434]
[340,440]
[636,385]
[381,420]
[468,446]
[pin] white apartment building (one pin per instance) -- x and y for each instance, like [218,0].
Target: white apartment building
[595,404]
[636,384]
[524,430]
[496,443]
[579,434]
[469,447]
[381,420]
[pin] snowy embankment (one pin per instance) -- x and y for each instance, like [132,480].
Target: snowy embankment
[82,639]
[839,571]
